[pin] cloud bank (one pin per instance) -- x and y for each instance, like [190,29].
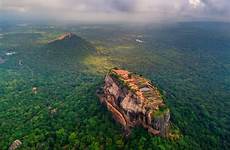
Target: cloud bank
[116,10]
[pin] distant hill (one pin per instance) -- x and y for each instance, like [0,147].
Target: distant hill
[67,50]
[69,41]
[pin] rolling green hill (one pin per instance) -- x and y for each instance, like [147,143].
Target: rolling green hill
[66,51]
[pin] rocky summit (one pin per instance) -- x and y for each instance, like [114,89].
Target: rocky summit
[65,36]
[134,101]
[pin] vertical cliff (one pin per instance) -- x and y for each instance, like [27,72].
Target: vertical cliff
[134,101]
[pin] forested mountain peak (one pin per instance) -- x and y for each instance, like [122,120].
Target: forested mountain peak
[64,51]
[68,41]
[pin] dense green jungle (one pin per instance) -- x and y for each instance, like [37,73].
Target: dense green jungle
[47,93]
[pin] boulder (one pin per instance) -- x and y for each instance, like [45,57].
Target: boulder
[15,145]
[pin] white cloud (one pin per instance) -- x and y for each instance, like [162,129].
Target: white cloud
[115,10]
[195,3]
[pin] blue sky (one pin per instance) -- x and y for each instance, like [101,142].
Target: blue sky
[116,10]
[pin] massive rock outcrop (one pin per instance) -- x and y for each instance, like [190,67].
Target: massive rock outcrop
[134,101]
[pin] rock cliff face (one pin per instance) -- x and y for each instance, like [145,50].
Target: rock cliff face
[134,101]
